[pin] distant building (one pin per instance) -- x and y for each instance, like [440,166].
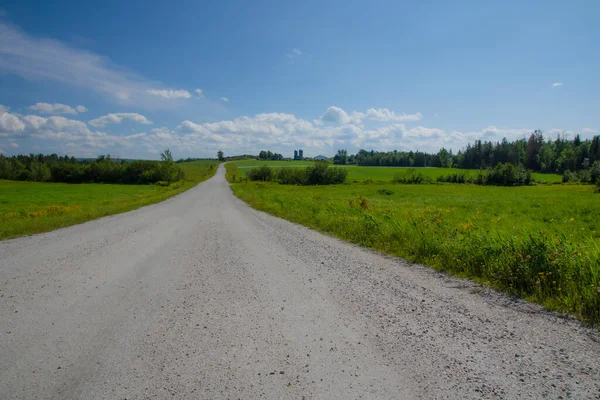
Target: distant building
[320,158]
[298,154]
[295,154]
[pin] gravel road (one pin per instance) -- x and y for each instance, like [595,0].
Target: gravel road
[202,297]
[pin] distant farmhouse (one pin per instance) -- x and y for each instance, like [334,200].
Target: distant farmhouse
[320,158]
[299,154]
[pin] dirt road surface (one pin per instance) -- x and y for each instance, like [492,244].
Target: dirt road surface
[202,297]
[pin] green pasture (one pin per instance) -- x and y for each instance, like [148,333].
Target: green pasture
[35,207]
[377,174]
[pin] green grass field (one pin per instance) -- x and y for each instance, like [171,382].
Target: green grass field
[539,242]
[378,174]
[34,207]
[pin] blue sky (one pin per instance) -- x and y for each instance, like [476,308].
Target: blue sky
[133,78]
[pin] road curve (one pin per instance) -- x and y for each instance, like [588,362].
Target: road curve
[202,297]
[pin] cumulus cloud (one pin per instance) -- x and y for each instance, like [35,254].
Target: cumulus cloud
[383,114]
[10,123]
[14,145]
[199,92]
[171,94]
[279,132]
[4,109]
[557,84]
[71,135]
[589,130]
[225,99]
[56,108]
[118,118]
[337,115]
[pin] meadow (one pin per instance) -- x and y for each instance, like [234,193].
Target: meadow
[539,242]
[35,207]
[379,174]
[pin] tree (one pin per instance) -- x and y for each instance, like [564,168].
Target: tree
[341,157]
[164,156]
[220,155]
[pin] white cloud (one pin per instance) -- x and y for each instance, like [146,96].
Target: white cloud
[589,130]
[14,145]
[10,123]
[339,116]
[56,108]
[225,99]
[279,132]
[422,132]
[199,92]
[35,58]
[293,55]
[118,118]
[4,109]
[557,84]
[170,94]
[383,114]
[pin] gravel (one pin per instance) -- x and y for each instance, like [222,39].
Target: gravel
[201,296]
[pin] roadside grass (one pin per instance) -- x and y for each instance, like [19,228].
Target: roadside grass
[33,207]
[378,174]
[540,242]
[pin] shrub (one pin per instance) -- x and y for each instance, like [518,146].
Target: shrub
[263,174]
[291,176]
[508,175]
[319,174]
[322,174]
[453,178]
[569,176]
[385,192]
[595,172]
[411,177]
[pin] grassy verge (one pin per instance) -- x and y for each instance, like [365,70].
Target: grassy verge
[541,243]
[33,207]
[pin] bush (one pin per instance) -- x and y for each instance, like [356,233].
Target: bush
[508,175]
[453,178]
[322,174]
[319,174]
[412,177]
[263,174]
[595,172]
[385,192]
[569,176]
[291,176]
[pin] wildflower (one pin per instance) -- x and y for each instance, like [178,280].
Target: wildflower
[571,219]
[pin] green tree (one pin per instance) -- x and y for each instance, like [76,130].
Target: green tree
[166,156]
[220,155]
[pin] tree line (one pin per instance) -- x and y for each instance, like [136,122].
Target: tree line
[104,169]
[269,155]
[535,153]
